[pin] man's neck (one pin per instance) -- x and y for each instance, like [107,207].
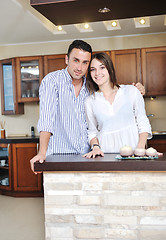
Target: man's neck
[77,83]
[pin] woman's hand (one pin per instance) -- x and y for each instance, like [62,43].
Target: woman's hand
[95,152]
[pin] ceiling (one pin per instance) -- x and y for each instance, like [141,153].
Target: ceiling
[20,23]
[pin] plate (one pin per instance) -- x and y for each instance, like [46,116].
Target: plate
[135,158]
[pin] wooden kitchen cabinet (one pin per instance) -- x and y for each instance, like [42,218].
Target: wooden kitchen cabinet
[127,64]
[9,100]
[154,70]
[54,62]
[158,144]
[29,76]
[24,178]
[16,176]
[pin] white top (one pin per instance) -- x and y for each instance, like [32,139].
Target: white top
[119,123]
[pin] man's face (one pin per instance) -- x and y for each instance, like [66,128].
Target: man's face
[78,62]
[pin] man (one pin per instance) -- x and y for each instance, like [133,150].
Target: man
[62,123]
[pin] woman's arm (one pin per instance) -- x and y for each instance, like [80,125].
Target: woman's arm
[142,140]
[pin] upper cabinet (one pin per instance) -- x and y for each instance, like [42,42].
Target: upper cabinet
[154,70]
[29,76]
[127,64]
[9,100]
[54,62]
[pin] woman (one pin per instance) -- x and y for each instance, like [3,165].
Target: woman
[115,113]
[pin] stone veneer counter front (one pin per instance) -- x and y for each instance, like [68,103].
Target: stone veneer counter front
[125,200]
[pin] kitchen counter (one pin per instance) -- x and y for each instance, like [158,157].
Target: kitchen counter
[72,162]
[159,135]
[19,140]
[104,198]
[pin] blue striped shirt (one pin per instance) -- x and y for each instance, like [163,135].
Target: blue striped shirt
[62,114]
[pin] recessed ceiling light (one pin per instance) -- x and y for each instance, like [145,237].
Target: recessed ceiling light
[104,10]
[59,28]
[142,21]
[86,25]
[114,23]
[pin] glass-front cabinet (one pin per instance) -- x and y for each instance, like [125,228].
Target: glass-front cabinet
[9,88]
[29,76]
[5,168]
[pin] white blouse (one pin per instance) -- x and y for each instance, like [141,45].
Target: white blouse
[119,123]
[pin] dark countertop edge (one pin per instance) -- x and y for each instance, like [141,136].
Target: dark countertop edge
[158,136]
[20,140]
[158,165]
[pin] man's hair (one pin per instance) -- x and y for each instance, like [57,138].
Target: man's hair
[79,44]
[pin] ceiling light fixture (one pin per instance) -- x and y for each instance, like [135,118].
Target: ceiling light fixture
[104,10]
[59,28]
[86,25]
[142,21]
[114,23]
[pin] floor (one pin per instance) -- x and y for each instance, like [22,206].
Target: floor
[21,218]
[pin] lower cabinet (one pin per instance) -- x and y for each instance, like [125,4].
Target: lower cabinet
[158,144]
[16,176]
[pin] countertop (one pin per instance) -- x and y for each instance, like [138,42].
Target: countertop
[19,140]
[108,163]
[159,135]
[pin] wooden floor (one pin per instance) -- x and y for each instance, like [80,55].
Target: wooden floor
[21,218]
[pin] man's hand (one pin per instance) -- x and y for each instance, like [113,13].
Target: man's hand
[140,87]
[38,158]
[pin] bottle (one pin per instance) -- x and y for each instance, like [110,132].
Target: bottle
[32,131]
[3,135]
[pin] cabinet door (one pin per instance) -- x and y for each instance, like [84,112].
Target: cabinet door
[24,178]
[154,70]
[9,103]
[53,63]
[127,65]
[158,144]
[5,167]
[29,76]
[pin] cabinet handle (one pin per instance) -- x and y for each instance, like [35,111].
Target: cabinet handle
[37,147]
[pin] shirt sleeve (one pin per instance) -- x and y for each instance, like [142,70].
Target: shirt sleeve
[140,113]
[91,120]
[48,95]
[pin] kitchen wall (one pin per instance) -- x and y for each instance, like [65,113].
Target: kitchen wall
[21,124]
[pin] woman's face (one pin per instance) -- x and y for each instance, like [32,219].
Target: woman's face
[99,73]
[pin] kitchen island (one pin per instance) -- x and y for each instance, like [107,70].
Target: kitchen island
[104,198]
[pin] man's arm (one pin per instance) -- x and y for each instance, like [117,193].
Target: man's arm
[41,156]
[140,87]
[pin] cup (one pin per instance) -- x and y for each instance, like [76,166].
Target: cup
[3,162]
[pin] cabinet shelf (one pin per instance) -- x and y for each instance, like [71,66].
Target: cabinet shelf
[29,79]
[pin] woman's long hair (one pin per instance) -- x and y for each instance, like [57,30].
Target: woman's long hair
[106,60]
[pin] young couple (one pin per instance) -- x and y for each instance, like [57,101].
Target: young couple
[70,104]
